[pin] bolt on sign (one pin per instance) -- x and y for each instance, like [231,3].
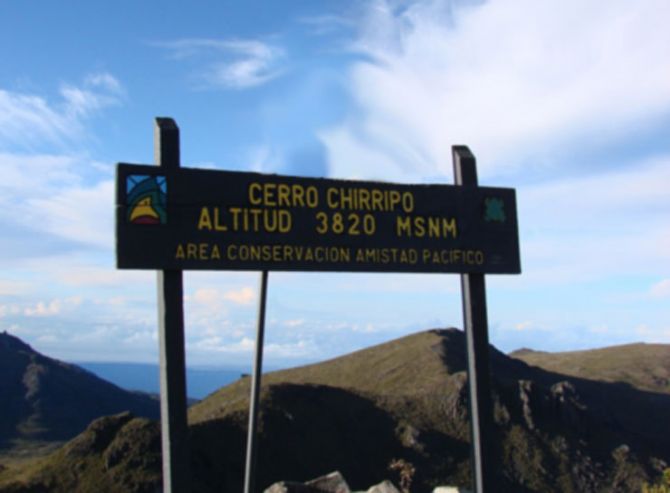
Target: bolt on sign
[189,218]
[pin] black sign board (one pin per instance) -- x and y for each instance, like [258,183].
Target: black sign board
[188,218]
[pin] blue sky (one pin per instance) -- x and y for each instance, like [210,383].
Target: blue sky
[566,101]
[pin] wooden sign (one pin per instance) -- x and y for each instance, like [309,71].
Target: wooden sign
[222,220]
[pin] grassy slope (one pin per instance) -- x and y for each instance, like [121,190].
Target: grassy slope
[405,368]
[417,375]
[46,401]
[115,454]
[406,398]
[645,366]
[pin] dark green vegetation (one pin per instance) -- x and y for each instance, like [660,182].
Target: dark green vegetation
[406,400]
[44,402]
[645,366]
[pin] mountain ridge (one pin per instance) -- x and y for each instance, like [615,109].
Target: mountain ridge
[46,400]
[643,365]
[406,399]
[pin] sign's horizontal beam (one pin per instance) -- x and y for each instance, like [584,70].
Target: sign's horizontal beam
[222,220]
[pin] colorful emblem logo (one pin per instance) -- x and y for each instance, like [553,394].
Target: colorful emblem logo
[494,210]
[146,198]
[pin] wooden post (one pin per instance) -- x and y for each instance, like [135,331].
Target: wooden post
[252,435]
[476,333]
[174,427]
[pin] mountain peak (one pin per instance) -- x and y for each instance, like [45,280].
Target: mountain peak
[9,342]
[46,399]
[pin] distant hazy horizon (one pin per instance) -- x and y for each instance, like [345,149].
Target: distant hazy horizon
[144,377]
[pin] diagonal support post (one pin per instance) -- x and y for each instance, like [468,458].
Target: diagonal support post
[477,340]
[252,432]
[174,427]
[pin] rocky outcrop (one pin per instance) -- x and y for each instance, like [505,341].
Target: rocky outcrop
[330,483]
[335,483]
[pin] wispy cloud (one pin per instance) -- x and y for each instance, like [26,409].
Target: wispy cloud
[13,288]
[328,23]
[229,64]
[598,226]
[97,92]
[242,296]
[80,214]
[29,121]
[49,193]
[214,298]
[53,307]
[661,289]
[516,81]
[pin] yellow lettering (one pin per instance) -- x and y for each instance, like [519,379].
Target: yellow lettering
[269,194]
[312,197]
[283,195]
[254,194]
[191,251]
[377,200]
[254,216]
[394,199]
[203,251]
[403,226]
[364,199]
[285,220]
[266,253]
[235,211]
[407,201]
[449,226]
[218,226]
[180,252]
[330,198]
[419,226]
[298,195]
[433,227]
[232,252]
[205,222]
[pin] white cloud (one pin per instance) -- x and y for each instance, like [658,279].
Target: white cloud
[661,289]
[81,214]
[35,175]
[653,334]
[28,120]
[141,337]
[13,288]
[513,80]
[291,350]
[78,273]
[217,310]
[243,296]
[9,310]
[244,346]
[53,307]
[527,325]
[233,64]
[213,298]
[51,193]
[328,23]
[609,224]
[264,158]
